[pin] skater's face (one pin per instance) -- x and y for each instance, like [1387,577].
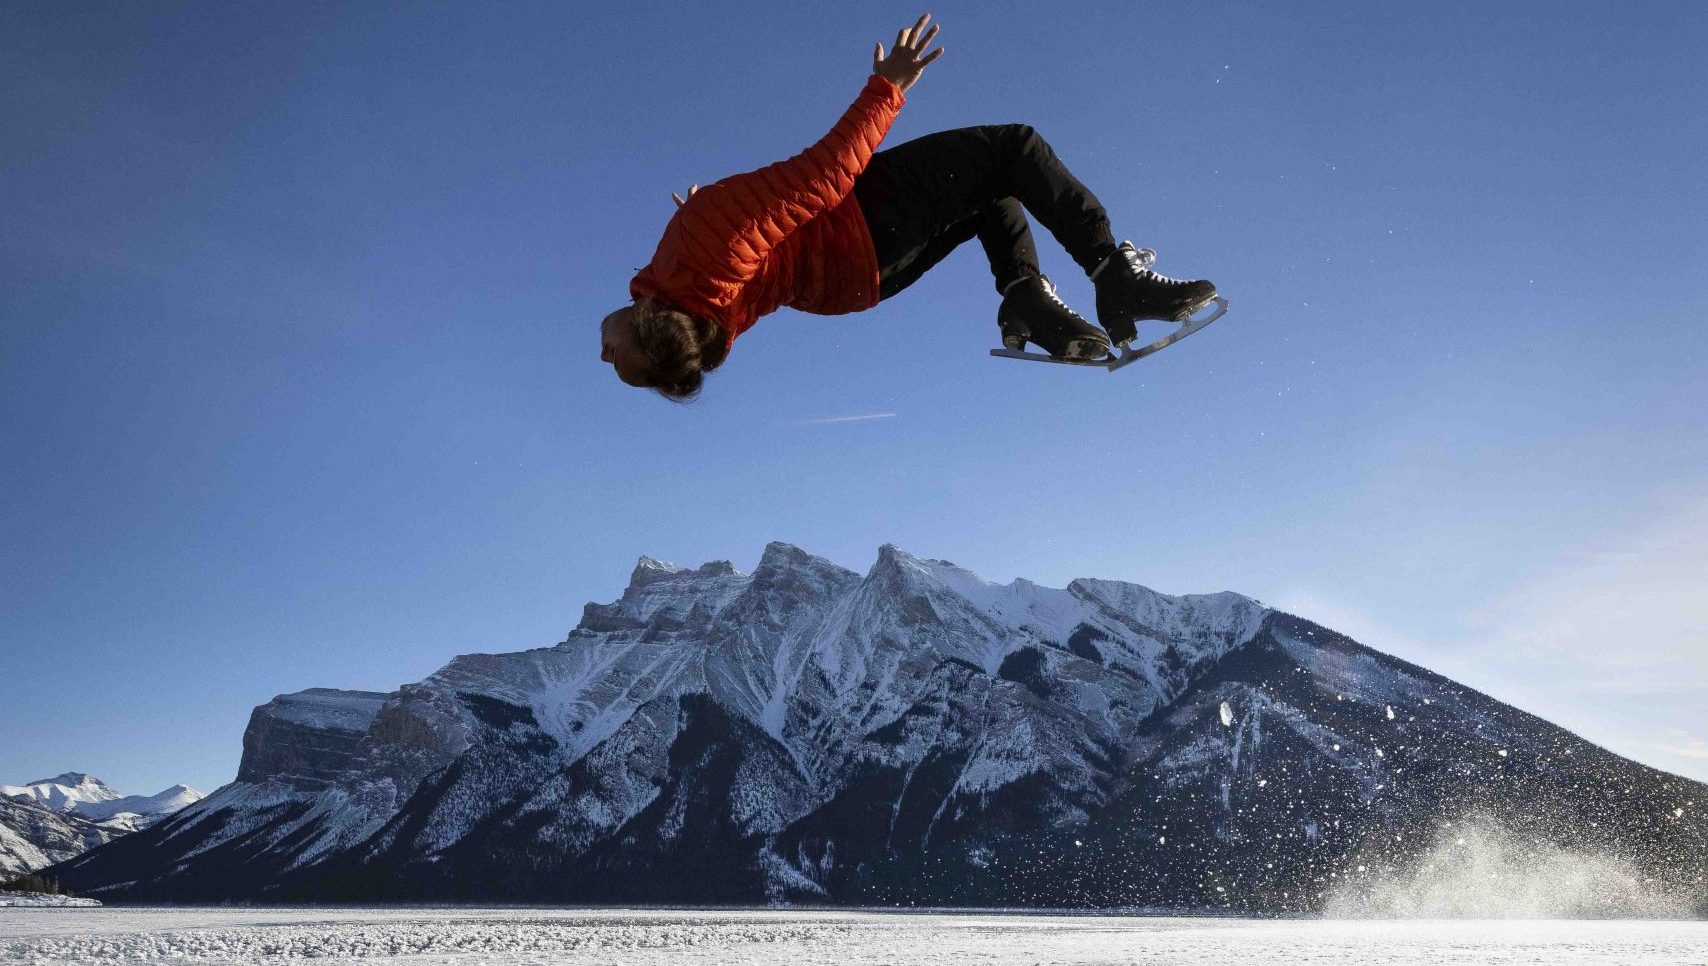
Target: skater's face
[617,346]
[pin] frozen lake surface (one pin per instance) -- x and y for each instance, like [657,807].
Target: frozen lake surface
[511,937]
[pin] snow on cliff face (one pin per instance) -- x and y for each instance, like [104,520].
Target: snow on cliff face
[307,738]
[806,730]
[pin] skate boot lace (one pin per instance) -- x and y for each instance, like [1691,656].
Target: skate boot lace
[1049,290]
[1140,261]
[1165,280]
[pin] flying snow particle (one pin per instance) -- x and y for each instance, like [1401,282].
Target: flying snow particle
[1503,752]
[1678,813]
[1336,747]
[1390,712]
[1227,715]
[1078,843]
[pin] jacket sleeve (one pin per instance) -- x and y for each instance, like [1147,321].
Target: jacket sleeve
[737,221]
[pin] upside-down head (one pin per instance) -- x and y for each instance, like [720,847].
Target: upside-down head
[655,346]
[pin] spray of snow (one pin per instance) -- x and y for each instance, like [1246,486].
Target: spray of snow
[1475,870]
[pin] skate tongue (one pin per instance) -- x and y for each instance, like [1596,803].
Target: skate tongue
[1140,258]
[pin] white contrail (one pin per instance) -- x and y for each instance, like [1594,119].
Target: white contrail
[843,419]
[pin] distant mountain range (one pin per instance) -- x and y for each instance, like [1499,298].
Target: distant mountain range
[93,799]
[910,735]
[53,819]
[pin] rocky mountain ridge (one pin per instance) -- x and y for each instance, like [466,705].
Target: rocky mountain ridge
[806,733]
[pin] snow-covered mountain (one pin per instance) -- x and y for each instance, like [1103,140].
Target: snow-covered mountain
[911,735]
[89,797]
[33,837]
[53,819]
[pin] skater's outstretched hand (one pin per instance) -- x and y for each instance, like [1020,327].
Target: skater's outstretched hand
[904,64]
[680,201]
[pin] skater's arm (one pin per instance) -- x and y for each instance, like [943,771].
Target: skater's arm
[747,215]
[901,68]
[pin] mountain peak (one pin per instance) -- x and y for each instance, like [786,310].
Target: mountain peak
[786,556]
[659,589]
[779,550]
[894,558]
[72,779]
[651,570]
[88,797]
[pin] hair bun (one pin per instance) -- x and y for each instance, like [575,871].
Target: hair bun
[678,346]
[714,344]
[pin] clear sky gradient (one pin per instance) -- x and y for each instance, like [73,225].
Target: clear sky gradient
[299,377]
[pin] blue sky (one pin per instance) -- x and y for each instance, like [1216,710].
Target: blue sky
[299,377]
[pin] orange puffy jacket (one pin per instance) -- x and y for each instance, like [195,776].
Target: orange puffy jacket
[788,234]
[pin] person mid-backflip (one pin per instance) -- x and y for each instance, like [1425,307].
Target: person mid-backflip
[839,228]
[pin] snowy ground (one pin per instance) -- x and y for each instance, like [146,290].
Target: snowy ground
[509,937]
[41,899]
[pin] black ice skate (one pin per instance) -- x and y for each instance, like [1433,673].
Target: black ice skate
[1129,292]
[1031,312]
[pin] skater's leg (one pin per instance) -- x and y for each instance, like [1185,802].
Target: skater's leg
[921,196]
[913,225]
[1000,228]
[915,191]
[1007,242]
[923,199]
[1060,201]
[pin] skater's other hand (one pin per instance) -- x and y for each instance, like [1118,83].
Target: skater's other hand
[904,64]
[680,201]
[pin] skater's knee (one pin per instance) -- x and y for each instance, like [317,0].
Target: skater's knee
[1025,135]
[1023,140]
[1011,137]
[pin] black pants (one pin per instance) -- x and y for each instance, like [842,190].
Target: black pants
[924,198]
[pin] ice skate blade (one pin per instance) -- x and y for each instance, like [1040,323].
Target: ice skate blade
[1101,363]
[1127,355]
